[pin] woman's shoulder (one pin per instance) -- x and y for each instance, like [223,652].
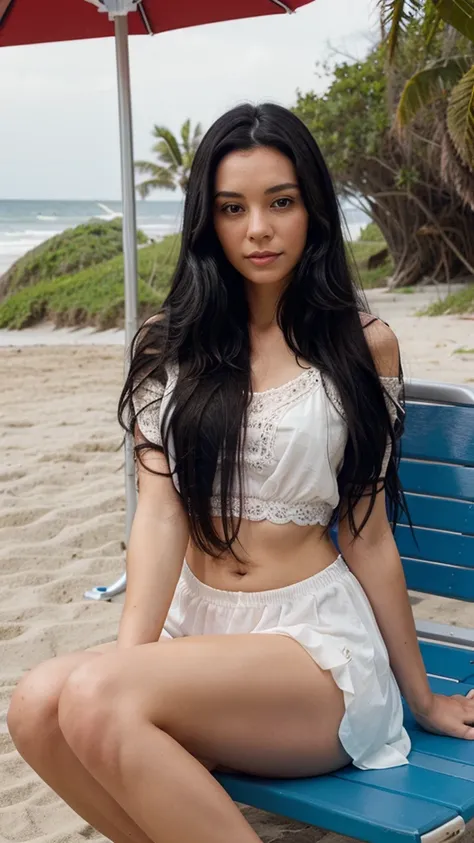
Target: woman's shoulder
[383,345]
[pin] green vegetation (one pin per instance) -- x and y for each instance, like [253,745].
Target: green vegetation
[94,296]
[175,158]
[370,249]
[460,302]
[371,234]
[416,182]
[66,253]
[450,77]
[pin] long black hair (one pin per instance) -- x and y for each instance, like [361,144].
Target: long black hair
[203,328]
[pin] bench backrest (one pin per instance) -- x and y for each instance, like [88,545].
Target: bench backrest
[437,473]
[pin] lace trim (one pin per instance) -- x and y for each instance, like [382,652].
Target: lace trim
[393,389]
[278,512]
[266,409]
[391,385]
[147,402]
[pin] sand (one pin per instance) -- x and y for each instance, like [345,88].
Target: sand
[62,523]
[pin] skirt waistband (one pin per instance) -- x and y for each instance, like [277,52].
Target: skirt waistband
[275,596]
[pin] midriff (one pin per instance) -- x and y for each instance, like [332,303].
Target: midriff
[273,556]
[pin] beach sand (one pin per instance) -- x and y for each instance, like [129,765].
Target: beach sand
[62,512]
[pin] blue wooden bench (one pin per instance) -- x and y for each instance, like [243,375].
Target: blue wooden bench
[432,798]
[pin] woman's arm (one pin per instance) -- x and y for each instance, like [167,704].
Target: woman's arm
[374,560]
[155,554]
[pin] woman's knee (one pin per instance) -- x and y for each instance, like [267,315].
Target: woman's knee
[94,710]
[32,716]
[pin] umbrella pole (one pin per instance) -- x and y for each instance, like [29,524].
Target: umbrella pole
[130,271]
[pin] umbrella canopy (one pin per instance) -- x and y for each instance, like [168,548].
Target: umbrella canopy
[39,21]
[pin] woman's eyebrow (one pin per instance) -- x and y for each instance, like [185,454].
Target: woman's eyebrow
[279,187]
[230,194]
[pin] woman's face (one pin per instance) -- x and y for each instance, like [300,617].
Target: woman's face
[259,214]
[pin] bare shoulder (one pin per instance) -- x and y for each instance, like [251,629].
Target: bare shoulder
[157,317]
[144,333]
[383,344]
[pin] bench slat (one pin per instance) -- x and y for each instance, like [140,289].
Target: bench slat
[454,750]
[440,513]
[435,432]
[447,662]
[444,580]
[436,546]
[430,785]
[442,765]
[447,481]
[344,807]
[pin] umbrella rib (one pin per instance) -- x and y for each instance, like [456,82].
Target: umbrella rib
[283,6]
[5,8]
[144,17]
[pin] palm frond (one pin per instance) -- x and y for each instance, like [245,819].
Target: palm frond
[460,118]
[162,133]
[185,132]
[197,137]
[454,172]
[165,155]
[396,15]
[428,85]
[146,187]
[458,13]
[149,168]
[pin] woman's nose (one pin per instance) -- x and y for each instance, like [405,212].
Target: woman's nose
[259,226]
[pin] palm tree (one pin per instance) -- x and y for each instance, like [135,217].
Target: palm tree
[450,78]
[174,159]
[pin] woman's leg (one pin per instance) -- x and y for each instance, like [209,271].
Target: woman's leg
[33,725]
[254,703]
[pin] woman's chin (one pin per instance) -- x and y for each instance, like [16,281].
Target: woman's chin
[266,279]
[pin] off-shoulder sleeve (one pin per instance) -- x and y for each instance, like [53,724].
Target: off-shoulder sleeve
[147,398]
[393,391]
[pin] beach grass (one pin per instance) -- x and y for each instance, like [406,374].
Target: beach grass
[94,296]
[459,302]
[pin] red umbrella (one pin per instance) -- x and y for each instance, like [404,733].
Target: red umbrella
[41,21]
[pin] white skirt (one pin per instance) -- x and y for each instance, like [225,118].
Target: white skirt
[330,616]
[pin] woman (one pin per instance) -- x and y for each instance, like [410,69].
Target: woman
[266,406]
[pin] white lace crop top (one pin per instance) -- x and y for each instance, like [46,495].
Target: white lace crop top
[294,448]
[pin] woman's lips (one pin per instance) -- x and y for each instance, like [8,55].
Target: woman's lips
[263,261]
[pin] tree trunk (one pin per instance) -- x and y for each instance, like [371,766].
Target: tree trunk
[427,226]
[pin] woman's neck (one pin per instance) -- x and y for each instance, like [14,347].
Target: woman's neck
[263,303]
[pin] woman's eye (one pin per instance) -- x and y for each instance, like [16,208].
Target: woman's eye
[231,209]
[284,199]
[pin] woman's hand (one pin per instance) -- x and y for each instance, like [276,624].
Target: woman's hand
[453,716]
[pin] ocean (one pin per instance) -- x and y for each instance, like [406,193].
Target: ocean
[26,223]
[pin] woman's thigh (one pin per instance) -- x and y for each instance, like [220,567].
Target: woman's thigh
[257,704]
[32,714]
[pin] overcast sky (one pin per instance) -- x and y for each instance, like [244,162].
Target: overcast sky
[58,104]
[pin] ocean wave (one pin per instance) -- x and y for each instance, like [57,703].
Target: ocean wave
[16,250]
[22,233]
[156,226]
